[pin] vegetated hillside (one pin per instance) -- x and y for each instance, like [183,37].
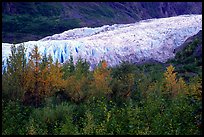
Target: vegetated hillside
[24,21]
[188,59]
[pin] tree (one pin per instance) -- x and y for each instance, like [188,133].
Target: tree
[55,74]
[77,88]
[33,78]
[123,80]
[195,88]
[44,78]
[100,85]
[68,68]
[170,81]
[14,76]
[181,85]
[82,68]
[77,84]
[172,85]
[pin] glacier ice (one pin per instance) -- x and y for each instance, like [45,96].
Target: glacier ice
[136,42]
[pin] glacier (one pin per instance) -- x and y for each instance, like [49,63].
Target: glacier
[152,39]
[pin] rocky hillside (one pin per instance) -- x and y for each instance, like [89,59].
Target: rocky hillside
[25,21]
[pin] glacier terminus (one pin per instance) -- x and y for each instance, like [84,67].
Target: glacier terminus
[152,39]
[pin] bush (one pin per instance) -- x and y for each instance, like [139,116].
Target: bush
[14,118]
[50,120]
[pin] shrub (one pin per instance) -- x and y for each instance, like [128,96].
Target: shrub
[46,120]
[14,118]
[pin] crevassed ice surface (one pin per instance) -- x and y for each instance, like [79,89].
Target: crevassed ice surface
[152,39]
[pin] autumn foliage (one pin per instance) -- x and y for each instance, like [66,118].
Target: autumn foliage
[101,80]
[42,96]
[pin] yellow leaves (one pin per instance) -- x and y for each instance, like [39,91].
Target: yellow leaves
[28,80]
[55,75]
[42,79]
[101,79]
[181,85]
[172,86]
[80,86]
[52,79]
[170,77]
[195,88]
[75,87]
[175,87]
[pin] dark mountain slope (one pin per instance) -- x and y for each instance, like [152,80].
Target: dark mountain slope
[24,21]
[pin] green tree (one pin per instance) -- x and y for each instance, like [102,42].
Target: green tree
[82,68]
[68,68]
[14,77]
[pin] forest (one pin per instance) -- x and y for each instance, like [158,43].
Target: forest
[43,97]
